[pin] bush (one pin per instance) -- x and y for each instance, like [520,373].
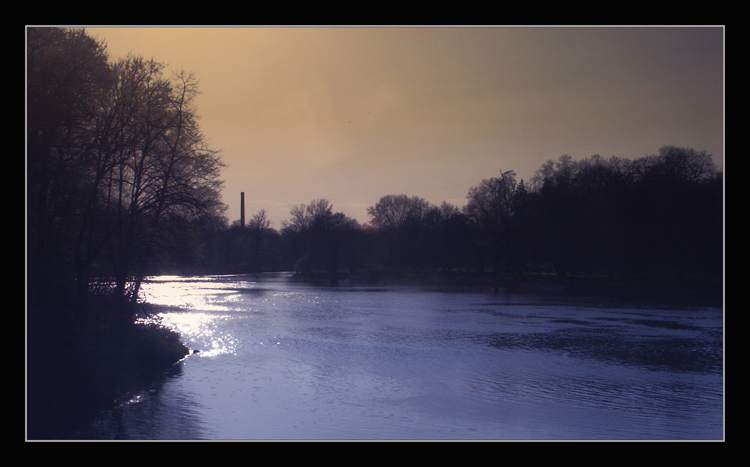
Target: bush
[81,359]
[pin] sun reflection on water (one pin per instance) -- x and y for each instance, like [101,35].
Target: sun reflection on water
[195,294]
[201,331]
[193,305]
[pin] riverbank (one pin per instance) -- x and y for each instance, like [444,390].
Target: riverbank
[80,360]
[691,292]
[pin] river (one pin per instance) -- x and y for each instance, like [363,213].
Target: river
[277,359]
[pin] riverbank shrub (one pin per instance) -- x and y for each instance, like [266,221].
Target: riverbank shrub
[81,358]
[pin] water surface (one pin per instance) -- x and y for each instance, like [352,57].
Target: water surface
[280,359]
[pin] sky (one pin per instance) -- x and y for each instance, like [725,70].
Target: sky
[351,114]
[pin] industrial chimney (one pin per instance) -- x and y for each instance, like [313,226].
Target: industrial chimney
[242,209]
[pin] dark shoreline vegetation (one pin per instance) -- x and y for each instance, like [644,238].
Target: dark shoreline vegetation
[586,289]
[121,186]
[83,358]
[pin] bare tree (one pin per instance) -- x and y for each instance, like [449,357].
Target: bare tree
[67,75]
[490,206]
[259,222]
[392,211]
[165,169]
[305,216]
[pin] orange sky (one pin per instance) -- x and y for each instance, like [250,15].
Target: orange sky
[353,114]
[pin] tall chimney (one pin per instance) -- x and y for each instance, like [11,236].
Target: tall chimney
[242,209]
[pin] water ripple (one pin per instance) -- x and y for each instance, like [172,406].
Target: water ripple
[680,354]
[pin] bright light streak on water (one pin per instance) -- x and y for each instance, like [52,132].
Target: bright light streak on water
[204,293]
[284,360]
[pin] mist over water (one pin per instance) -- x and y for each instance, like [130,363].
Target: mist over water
[280,359]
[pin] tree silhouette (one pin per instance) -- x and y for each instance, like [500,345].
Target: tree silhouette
[320,238]
[67,77]
[118,179]
[114,153]
[491,206]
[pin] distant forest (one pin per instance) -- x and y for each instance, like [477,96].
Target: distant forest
[656,220]
[120,185]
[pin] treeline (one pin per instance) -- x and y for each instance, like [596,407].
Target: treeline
[657,219]
[120,185]
[116,165]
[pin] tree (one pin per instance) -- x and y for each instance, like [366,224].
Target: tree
[393,211]
[491,207]
[305,216]
[259,222]
[677,202]
[258,230]
[576,205]
[115,157]
[163,166]
[67,76]
[318,237]
[445,239]
[655,218]
[400,224]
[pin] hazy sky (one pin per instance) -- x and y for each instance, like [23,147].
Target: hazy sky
[355,113]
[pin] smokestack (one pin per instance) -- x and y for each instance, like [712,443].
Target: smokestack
[242,209]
